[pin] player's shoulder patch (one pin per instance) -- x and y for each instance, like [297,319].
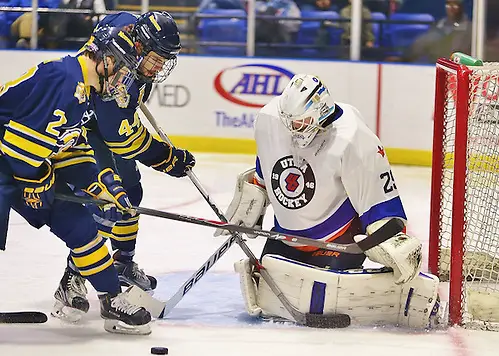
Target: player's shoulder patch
[80,93]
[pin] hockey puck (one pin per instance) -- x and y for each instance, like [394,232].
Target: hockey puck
[159,350]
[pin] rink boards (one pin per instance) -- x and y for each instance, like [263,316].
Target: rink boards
[209,104]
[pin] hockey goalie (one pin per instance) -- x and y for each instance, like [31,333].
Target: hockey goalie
[327,177]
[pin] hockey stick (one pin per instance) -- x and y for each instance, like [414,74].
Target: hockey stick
[322,321]
[159,309]
[388,230]
[24,317]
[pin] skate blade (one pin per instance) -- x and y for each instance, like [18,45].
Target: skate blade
[119,327]
[65,313]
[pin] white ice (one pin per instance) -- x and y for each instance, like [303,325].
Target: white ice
[210,319]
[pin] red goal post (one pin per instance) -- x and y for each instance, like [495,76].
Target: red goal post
[464,211]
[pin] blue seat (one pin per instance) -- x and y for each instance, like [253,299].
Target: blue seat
[309,30]
[403,35]
[224,12]
[227,12]
[4,31]
[223,30]
[379,29]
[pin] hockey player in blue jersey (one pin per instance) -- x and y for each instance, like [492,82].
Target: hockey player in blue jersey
[42,139]
[119,139]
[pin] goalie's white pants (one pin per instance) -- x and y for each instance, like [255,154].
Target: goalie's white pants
[368,296]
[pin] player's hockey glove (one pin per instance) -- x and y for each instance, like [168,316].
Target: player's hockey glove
[108,187]
[105,216]
[39,193]
[175,162]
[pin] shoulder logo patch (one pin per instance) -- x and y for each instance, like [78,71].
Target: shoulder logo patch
[80,93]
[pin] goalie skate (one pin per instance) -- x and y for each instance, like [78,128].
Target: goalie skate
[122,317]
[70,297]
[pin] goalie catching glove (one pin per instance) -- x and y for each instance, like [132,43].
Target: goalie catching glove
[248,205]
[175,161]
[402,253]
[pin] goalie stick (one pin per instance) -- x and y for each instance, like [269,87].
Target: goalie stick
[159,309]
[24,317]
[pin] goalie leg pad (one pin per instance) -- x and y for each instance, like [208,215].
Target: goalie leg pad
[369,297]
[248,286]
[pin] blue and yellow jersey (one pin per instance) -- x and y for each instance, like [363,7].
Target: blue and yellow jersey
[121,128]
[41,113]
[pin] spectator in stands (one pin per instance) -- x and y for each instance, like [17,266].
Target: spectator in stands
[280,31]
[367,36]
[451,34]
[221,4]
[267,30]
[20,29]
[315,5]
[322,5]
[81,26]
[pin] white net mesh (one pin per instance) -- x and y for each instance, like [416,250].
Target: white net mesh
[480,290]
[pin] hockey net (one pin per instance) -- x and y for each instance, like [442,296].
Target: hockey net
[464,217]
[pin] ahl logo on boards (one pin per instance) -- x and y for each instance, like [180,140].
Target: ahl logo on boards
[251,85]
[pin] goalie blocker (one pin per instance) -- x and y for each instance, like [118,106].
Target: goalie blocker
[368,296]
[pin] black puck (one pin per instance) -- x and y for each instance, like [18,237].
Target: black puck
[159,350]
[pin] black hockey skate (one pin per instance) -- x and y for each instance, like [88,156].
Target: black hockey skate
[130,274]
[123,317]
[70,297]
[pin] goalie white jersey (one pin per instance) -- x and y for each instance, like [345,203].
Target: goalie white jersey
[344,174]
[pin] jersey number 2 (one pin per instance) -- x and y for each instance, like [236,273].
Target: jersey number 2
[389,181]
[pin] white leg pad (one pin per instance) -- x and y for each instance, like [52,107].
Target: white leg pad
[248,287]
[369,297]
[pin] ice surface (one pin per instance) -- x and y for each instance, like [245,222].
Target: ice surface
[210,320]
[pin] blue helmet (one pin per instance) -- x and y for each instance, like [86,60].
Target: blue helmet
[117,43]
[156,31]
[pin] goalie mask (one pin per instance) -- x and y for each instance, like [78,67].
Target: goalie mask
[158,43]
[304,106]
[117,44]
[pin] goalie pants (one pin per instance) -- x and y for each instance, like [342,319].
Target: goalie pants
[320,257]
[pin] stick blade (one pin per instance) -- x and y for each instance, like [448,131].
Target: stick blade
[138,297]
[27,317]
[324,321]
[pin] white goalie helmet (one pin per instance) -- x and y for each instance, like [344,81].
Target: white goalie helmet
[303,107]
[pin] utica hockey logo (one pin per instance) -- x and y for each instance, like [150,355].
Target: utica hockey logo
[293,187]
